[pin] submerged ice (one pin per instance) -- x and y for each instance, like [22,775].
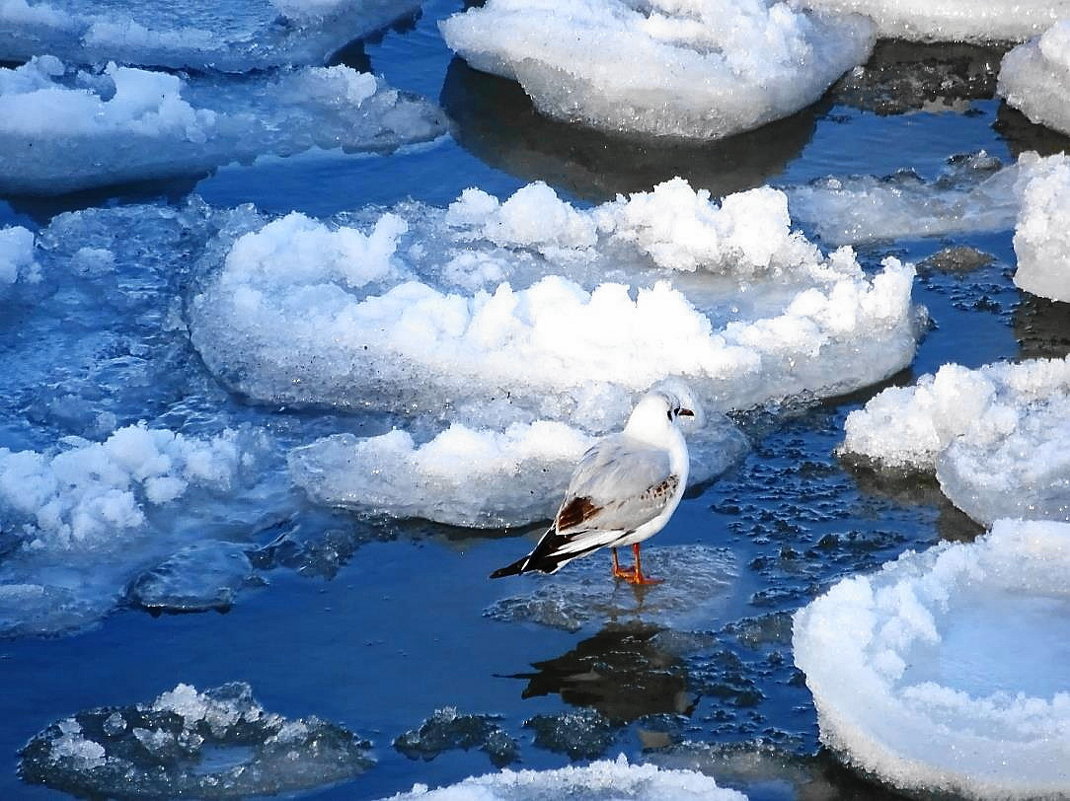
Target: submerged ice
[942,672]
[997,437]
[216,744]
[230,36]
[664,68]
[63,129]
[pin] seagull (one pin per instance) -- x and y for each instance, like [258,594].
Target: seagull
[623,491]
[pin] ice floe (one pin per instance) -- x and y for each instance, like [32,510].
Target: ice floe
[448,729]
[953,21]
[63,129]
[600,781]
[488,313]
[231,36]
[17,260]
[1042,233]
[697,582]
[940,672]
[998,437]
[663,68]
[473,477]
[1033,76]
[216,744]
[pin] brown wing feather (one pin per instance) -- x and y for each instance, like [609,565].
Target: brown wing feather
[575,512]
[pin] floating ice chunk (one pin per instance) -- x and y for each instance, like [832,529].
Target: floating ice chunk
[940,672]
[17,257]
[685,70]
[447,729]
[218,744]
[61,131]
[1042,235]
[1033,77]
[605,780]
[996,436]
[697,582]
[568,346]
[582,733]
[472,477]
[231,36]
[206,575]
[953,21]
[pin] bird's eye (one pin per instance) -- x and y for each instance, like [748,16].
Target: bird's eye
[669,414]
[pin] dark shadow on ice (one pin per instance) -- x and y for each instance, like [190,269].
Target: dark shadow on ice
[170,191]
[901,77]
[495,120]
[1042,328]
[621,672]
[1022,135]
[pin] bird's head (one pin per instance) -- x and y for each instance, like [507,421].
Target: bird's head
[665,404]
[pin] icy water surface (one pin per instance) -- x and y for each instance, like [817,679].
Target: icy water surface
[377,625]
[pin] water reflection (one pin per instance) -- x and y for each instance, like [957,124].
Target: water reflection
[1042,328]
[497,123]
[1023,135]
[620,672]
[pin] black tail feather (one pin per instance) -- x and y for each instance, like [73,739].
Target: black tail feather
[542,559]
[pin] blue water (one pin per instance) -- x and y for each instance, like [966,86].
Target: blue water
[397,630]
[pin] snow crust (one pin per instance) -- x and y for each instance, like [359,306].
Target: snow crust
[998,437]
[684,69]
[63,129]
[953,21]
[941,671]
[1033,77]
[568,318]
[600,781]
[231,36]
[1042,233]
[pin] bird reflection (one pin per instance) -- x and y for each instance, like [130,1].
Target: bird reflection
[497,123]
[620,672]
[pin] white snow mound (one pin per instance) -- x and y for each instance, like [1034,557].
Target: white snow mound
[998,437]
[1042,235]
[605,780]
[697,69]
[943,671]
[1035,76]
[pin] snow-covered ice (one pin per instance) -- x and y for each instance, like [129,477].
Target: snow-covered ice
[953,20]
[478,478]
[1042,233]
[998,437]
[488,313]
[698,581]
[943,671]
[682,69]
[230,36]
[63,129]
[606,780]
[216,744]
[17,261]
[1034,76]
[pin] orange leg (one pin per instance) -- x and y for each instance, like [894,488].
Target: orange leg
[638,577]
[626,573]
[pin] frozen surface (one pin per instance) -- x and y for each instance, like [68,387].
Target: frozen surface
[459,313]
[943,670]
[663,68]
[206,575]
[473,477]
[975,194]
[997,436]
[64,130]
[448,729]
[697,580]
[615,780]
[953,20]
[1034,79]
[218,744]
[231,36]
[1042,235]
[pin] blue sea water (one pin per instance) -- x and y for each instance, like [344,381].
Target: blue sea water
[384,623]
